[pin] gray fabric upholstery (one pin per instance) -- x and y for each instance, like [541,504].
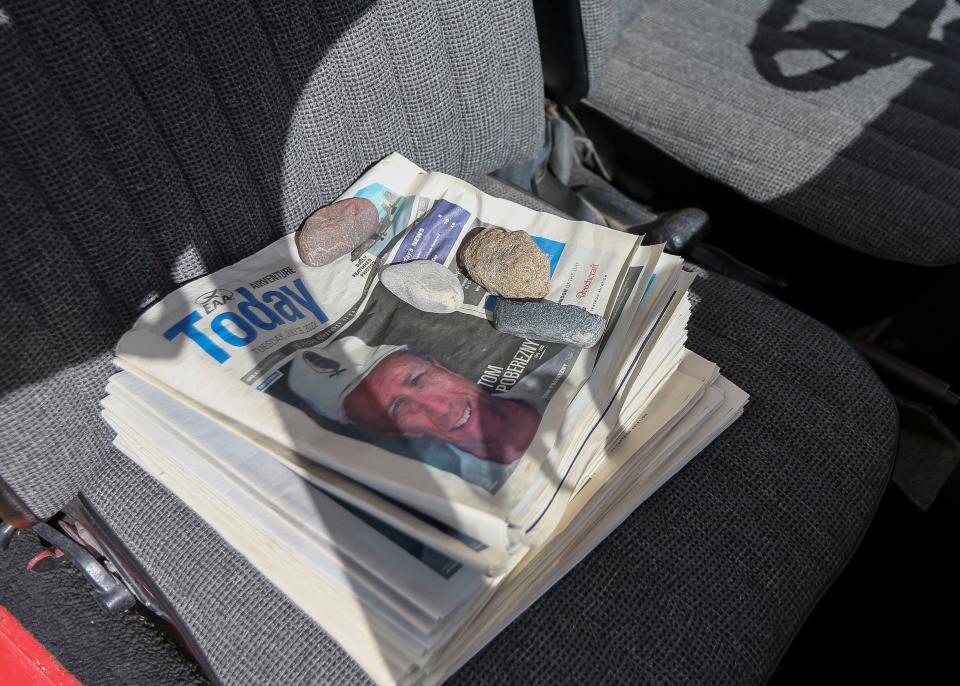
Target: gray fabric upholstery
[843,116]
[503,189]
[144,144]
[603,21]
[706,582]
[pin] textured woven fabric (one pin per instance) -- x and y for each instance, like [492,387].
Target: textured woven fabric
[603,21]
[707,582]
[503,189]
[145,144]
[843,116]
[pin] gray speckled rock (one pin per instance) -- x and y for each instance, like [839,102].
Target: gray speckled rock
[425,284]
[335,230]
[507,263]
[548,321]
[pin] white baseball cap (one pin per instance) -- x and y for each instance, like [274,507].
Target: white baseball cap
[324,376]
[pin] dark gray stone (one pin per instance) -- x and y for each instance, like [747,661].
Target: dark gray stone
[548,321]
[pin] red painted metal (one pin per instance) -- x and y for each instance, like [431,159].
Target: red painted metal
[24,661]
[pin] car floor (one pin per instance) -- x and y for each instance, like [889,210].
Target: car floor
[58,607]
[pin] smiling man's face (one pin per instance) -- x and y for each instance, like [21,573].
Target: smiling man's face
[412,396]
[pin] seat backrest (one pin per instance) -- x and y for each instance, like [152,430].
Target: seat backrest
[603,22]
[143,144]
[577,39]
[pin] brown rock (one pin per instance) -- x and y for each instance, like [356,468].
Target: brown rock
[507,263]
[336,229]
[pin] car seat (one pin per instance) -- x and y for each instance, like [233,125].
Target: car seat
[143,145]
[841,116]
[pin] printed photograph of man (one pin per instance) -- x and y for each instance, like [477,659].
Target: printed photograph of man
[444,390]
[393,391]
[411,395]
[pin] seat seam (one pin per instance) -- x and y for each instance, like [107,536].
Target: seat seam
[286,78]
[669,136]
[331,52]
[382,33]
[800,39]
[82,132]
[807,12]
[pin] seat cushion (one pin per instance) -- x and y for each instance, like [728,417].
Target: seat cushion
[707,581]
[842,116]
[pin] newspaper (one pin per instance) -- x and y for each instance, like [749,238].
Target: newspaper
[414,481]
[274,351]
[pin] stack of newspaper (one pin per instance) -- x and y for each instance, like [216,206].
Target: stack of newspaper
[414,481]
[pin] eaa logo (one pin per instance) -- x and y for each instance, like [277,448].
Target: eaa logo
[214,299]
[323,365]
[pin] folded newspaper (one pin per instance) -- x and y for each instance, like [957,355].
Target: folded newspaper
[266,397]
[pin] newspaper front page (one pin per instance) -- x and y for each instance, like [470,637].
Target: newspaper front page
[413,481]
[464,417]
